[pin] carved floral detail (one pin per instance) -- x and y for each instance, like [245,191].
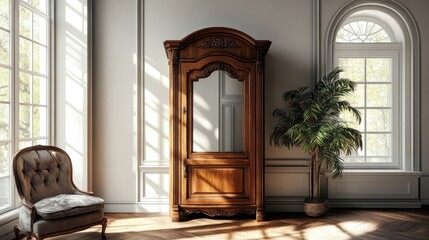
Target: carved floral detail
[219,212]
[219,66]
[175,57]
[219,42]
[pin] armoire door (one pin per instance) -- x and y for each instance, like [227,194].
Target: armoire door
[218,167]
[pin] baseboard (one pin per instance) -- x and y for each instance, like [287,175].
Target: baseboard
[272,204]
[123,207]
[375,204]
[425,202]
[284,204]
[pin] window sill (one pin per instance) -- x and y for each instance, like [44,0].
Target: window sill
[366,172]
[6,219]
[9,216]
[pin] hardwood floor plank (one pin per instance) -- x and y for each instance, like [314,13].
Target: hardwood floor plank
[338,224]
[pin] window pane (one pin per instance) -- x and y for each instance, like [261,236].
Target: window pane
[378,144]
[4,175]
[39,59]
[24,54]
[351,120]
[379,69]
[361,152]
[39,29]
[4,47]
[39,90]
[24,22]
[4,14]
[379,120]
[4,84]
[24,121]
[379,95]
[41,5]
[4,192]
[24,87]
[354,68]
[24,144]
[357,98]
[4,159]
[362,32]
[40,142]
[4,121]
[39,122]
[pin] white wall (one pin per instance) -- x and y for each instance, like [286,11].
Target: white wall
[72,83]
[131,166]
[115,101]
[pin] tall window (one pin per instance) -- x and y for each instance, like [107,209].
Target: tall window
[24,83]
[370,57]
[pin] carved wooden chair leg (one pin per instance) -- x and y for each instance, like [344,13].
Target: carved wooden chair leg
[38,237]
[16,230]
[103,228]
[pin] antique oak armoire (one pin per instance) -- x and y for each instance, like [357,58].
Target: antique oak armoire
[216,123]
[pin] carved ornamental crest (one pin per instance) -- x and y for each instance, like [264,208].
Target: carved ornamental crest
[219,43]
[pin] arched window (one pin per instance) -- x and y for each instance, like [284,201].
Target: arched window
[375,44]
[363,31]
[365,58]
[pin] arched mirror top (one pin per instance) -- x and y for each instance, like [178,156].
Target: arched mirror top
[207,70]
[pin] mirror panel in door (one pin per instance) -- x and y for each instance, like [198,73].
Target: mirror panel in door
[217,114]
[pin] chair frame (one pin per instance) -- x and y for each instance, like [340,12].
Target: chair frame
[28,206]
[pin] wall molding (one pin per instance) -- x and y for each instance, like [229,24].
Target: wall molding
[286,162]
[315,34]
[296,204]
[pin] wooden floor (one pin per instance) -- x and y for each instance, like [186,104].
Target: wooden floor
[337,224]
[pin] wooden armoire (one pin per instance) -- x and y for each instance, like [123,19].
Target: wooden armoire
[216,123]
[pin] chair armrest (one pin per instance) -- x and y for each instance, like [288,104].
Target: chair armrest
[27,204]
[29,207]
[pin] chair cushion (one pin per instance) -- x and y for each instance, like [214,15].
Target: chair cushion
[64,205]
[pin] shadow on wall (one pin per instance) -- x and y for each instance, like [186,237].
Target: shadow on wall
[156,131]
[75,86]
[282,74]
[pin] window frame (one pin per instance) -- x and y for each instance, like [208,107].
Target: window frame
[380,50]
[14,81]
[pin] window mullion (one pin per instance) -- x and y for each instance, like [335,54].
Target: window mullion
[14,79]
[366,112]
[15,85]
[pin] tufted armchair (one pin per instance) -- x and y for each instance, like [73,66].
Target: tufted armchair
[51,203]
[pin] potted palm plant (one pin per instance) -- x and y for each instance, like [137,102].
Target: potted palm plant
[311,121]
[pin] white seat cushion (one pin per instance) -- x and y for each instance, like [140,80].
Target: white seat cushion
[67,205]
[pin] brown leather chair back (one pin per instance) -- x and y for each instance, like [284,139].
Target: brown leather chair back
[41,172]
